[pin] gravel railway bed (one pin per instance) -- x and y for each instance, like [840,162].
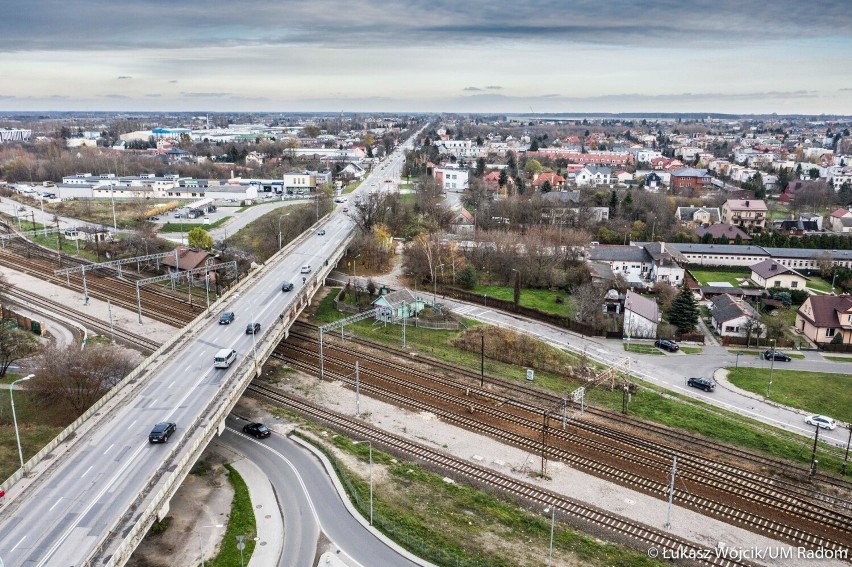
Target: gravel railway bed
[158,305]
[711,494]
[799,475]
[639,534]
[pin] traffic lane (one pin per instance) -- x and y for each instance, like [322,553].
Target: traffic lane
[334,519]
[301,525]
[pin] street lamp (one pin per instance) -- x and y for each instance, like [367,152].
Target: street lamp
[435,284]
[771,367]
[15,418]
[552,510]
[354,272]
[200,547]
[279,229]
[737,364]
[371,474]
[832,281]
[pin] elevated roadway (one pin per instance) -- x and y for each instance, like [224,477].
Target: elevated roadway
[91,495]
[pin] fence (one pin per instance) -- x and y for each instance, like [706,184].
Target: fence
[830,347]
[550,318]
[782,342]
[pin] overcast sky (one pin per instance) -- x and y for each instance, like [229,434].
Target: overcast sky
[740,56]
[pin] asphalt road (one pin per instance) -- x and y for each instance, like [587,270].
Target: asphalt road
[310,504]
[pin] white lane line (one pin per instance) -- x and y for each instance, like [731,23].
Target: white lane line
[87,472]
[132,424]
[172,384]
[55,504]
[153,402]
[20,541]
[109,448]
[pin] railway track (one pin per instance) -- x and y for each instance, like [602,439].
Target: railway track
[710,492]
[101,283]
[640,534]
[721,451]
[88,321]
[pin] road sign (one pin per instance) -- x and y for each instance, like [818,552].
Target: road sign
[530,374]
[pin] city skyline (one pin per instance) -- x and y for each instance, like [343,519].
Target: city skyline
[580,56]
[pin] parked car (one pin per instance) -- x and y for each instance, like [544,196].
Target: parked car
[777,355]
[705,384]
[321,232]
[287,286]
[664,344]
[257,429]
[823,421]
[252,328]
[306,269]
[226,318]
[345,209]
[161,432]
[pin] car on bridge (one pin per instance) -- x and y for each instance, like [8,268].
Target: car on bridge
[306,269]
[287,286]
[161,432]
[321,232]
[257,430]
[252,328]
[226,318]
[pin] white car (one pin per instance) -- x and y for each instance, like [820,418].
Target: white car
[306,269]
[823,421]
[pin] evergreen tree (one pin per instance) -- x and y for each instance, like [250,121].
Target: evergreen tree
[503,179]
[683,312]
[467,278]
[613,204]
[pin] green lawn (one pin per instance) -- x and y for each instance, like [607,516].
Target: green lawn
[704,277]
[838,358]
[36,426]
[240,522]
[813,392]
[176,226]
[641,348]
[819,284]
[541,299]
[691,350]
[650,403]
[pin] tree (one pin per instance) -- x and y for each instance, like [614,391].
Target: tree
[75,379]
[467,278]
[480,167]
[15,344]
[503,179]
[533,167]
[813,173]
[199,238]
[613,204]
[589,300]
[683,312]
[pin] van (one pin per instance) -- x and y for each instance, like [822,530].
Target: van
[224,358]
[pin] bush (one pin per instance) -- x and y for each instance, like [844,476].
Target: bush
[467,278]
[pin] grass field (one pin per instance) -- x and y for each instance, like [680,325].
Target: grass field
[240,522]
[813,392]
[838,358]
[36,427]
[129,213]
[819,284]
[649,403]
[541,299]
[691,350]
[704,277]
[642,348]
[177,226]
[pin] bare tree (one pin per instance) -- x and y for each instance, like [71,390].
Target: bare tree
[75,379]
[15,344]
[589,299]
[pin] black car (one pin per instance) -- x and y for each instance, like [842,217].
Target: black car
[705,384]
[252,328]
[778,356]
[321,232]
[226,318]
[257,429]
[287,286]
[664,344]
[161,432]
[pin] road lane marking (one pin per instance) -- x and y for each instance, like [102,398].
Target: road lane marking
[132,424]
[172,384]
[55,504]
[87,472]
[20,541]
[109,448]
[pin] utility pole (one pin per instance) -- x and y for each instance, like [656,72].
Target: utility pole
[846,456]
[813,452]
[545,415]
[482,359]
[671,493]
[357,391]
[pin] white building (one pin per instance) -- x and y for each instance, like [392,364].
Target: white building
[452,178]
[594,175]
[732,317]
[641,316]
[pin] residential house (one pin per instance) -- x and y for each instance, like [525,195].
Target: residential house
[594,175]
[721,231]
[397,305]
[841,220]
[794,188]
[623,176]
[770,274]
[822,317]
[558,205]
[748,214]
[451,178]
[733,317]
[491,180]
[463,222]
[640,265]
[556,181]
[187,259]
[641,316]
[689,178]
[697,216]
[652,182]
[796,227]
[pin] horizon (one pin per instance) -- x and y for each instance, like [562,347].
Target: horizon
[480,57]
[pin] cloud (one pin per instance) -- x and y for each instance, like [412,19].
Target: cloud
[115,96]
[121,77]
[153,95]
[844,89]
[205,95]
[471,89]
[494,87]
[173,81]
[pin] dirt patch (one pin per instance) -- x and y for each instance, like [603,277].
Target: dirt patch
[204,498]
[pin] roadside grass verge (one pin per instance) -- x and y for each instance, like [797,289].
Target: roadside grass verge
[691,350]
[455,524]
[240,522]
[642,348]
[838,358]
[651,403]
[541,299]
[171,227]
[813,392]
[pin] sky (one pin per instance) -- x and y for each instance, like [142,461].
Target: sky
[548,56]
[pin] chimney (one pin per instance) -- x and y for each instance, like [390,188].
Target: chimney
[746,204]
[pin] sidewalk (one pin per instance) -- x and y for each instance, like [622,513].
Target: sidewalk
[267,515]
